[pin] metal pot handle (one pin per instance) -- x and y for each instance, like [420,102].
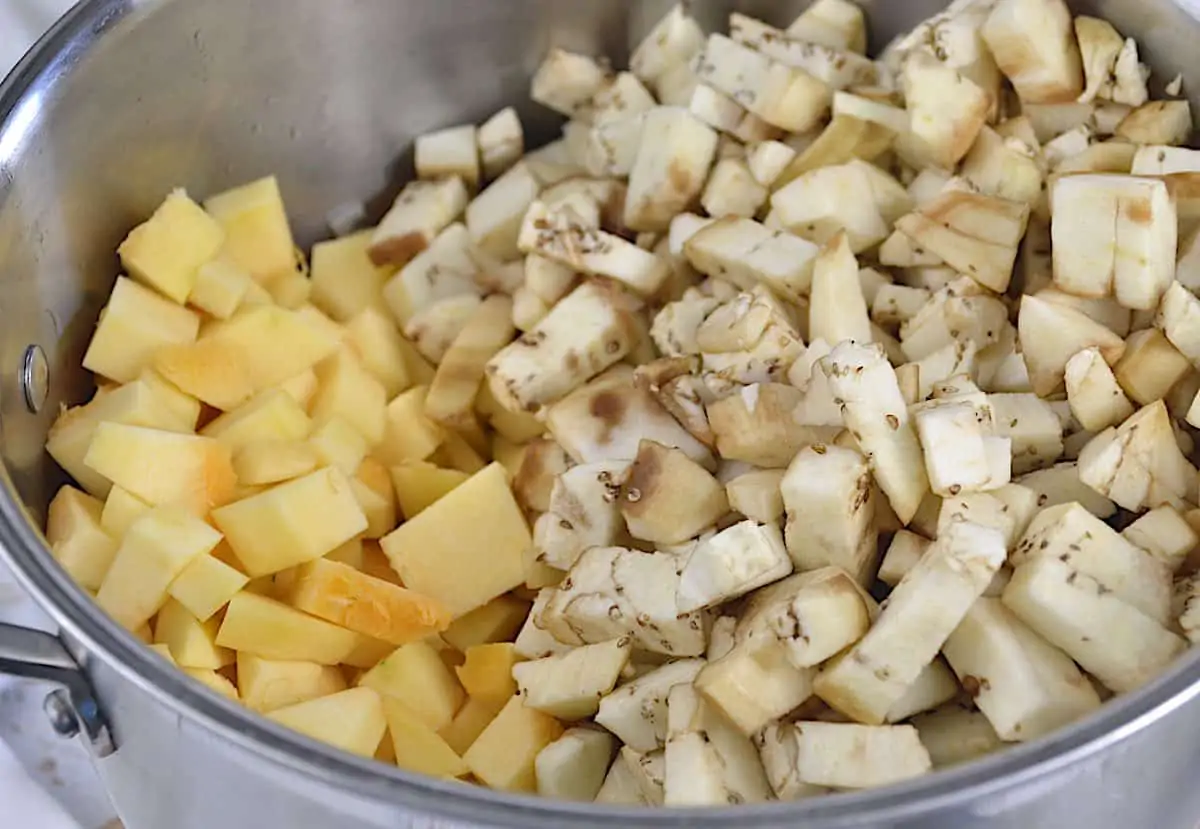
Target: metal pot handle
[72,706]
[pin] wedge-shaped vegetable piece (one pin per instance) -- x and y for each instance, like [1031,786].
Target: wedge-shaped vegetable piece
[757,495]
[637,711]
[833,65]
[647,771]
[467,548]
[543,462]
[497,621]
[561,234]
[257,236]
[1139,464]
[449,152]
[677,149]
[1164,534]
[589,330]
[567,81]
[609,418]
[850,756]
[1032,426]
[501,142]
[275,344]
[778,750]
[673,41]
[292,523]
[934,686]
[759,425]
[418,747]
[209,370]
[730,564]
[1099,46]
[206,585]
[733,191]
[452,393]
[504,755]
[191,642]
[946,108]
[1134,259]
[977,235]
[192,472]
[667,497]
[419,295]
[134,324]
[814,615]
[836,24]
[270,415]
[875,673]
[1051,334]
[77,538]
[1150,367]
[1024,685]
[468,724]
[613,592]
[1158,122]
[167,250]
[416,676]
[863,379]
[830,511]
[348,391]
[272,461]
[1179,318]
[1033,42]
[737,775]
[341,594]
[902,555]
[344,279]
[621,784]
[837,308]
[570,686]
[584,511]
[692,771]
[747,254]
[788,98]
[1096,398]
[352,720]
[755,684]
[574,766]
[1110,639]
[269,629]
[265,685]
[1077,538]
[422,210]
[1004,167]
[823,202]
[494,217]
[956,733]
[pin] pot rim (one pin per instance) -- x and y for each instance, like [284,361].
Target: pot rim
[23,94]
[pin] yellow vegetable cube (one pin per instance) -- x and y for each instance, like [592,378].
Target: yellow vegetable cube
[206,585]
[337,443]
[349,553]
[419,484]
[220,288]
[75,532]
[273,343]
[408,434]
[214,681]
[301,387]
[487,672]
[347,390]
[133,326]
[380,511]
[155,550]
[291,523]
[193,644]
[121,509]
[379,345]
[166,251]
[290,290]
[351,720]
[264,627]
[322,323]
[272,461]
[184,408]
[456,453]
[344,280]
[416,676]
[212,371]
[469,723]
[340,594]
[257,236]
[417,747]
[269,415]
[466,549]
[268,684]
[503,755]
[164,467]
[375,475]
[497,621]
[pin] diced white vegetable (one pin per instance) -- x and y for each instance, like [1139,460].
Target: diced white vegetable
[732,563]
[755,684]
[733,191]
[934,686]
[955,734]
[823,202]
[956,450]
[574,766]
[1096,398]
[902,555]
[850,756]
[1164,534]
[768,160]
[836,24]
[839,69]
[449,152]
[569,686]
[494,216]
[837,308]
[566,82]
[1051,334]
[422,211]
[620,786]
[946,110]
[1099,46]
[501,142]
[637,711]
[1034,44]
[671,167]
[747,254]
[673,41]
[1158,122]
[584,512]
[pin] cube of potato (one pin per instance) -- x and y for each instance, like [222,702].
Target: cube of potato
[291,290]
[258,238]
[754,684]
[1165,534]
[274,344]
[469,723]
[467,548]
[155,550]
[78,540]
[134,324]
[421,211]
[566,82]
[503,756]
[349,391]
[184,409]
[380,347]
[345,281]
[1033,42]
[419,484]
[211,371]
[569,686]
[408,434]
[1150,366]
[352,720]
[354,600]
[672,164]
[192,643]
[501,142]
[1096,398]
[267,684]
[416,676]
[667,497]
[783,96]
[497,621]
[167,250]
[487,673]
[213,681]
[1051,334]
[120,510]
[449,152]
[161,468]
[267,628]
[817,206]
[272,461]
[220,288]
[748,254]
[417,747]
[270,415]
[206,585]
[337,443]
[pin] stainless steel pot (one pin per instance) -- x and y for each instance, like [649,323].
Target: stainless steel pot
[124,100]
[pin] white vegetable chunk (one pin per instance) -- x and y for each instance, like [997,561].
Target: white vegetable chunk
[934,686]
[902,555]
[757,495]
[1164,534]
[667,498]
[947,110]
[501,141]
[1099,46]
[1139,464]
[746,253]
[1179,319]
[1096,398]
[755,684]
[730,564]
[1110,639]
[494,216]
[955,734]
[956,450]
[569,686]
[733,191]
[767,161]
[921,613]
[1034,44]
[671,167]
[648,770]
[850,756]
[637,711]
[533,641]
[823,202]
[837,308]
[574,766]
[836,24]
[449,152]
[421,211]
[566,82]
[672,43]
[584,512]
[837,68]
[620,787]
[1051,334]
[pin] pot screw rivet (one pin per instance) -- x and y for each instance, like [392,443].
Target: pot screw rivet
[35,378]
[61,714]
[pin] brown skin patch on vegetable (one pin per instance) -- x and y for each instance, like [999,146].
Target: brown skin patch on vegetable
[609,408]
[1138,211]
[679,178]
[398,251]
[644,476]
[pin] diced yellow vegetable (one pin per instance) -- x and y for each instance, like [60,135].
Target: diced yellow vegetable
[344,280]
[378,343]
[184,408]
[466,549]
[133,326]
[272,461]
[380,511]
[155,550]
[268,684]
[416,746]
[213,371]
[497,621]
[167,250]
[206,585]
[487,672]
[469,723]
[264,627]
[193,644]
[417,677]
[78,541]
[272,343]
[339,444]
[291,523]
[351,720]
[269,415]
[408,434]
[301,388]
[214,681]
[257,236]
[220,288]
[290,290]
[347,390]
[419,484]
[503,755]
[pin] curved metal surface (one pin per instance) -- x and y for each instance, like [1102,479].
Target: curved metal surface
[124,100]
